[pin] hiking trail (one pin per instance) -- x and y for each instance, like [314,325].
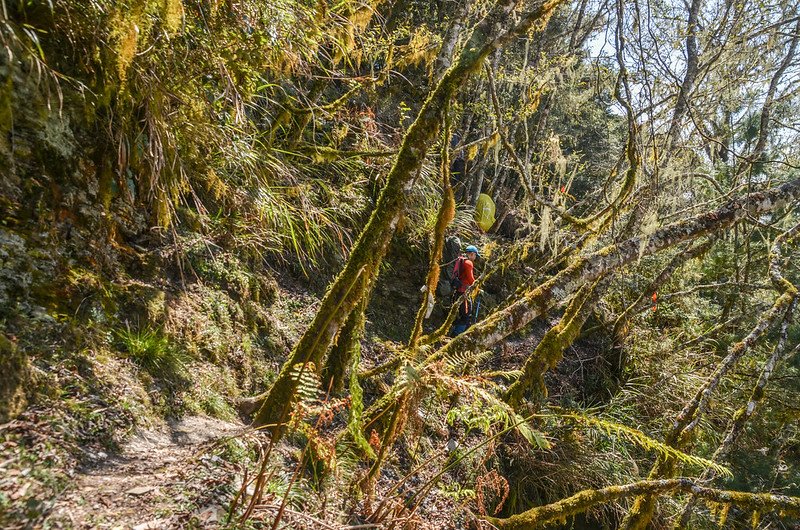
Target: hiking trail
[154,474]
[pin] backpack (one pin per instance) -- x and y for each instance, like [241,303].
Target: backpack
[455,280]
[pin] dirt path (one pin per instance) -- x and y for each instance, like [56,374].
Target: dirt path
[153,479]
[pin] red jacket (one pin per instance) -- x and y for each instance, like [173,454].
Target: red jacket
[465,274]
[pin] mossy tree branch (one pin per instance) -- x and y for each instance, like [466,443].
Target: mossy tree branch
[558,338]
[535,301]
[743,414]
[447,212]
[781,351]
[489,35]
[541,516]
[621,323]
[524,171]
[682,430]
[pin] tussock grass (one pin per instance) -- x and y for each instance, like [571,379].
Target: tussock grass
[152,351]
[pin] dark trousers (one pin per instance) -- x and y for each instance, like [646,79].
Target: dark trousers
[464,318]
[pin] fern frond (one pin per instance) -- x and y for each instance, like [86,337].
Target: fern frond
[641,439]
[309,386]
[506,375]
[487,410]
[407,376]
[461,362]
[533,437]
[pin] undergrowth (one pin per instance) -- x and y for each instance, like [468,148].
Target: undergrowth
[153,351]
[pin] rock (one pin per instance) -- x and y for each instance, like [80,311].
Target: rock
[141,490]
[152,525]
[452,445]
[211,515]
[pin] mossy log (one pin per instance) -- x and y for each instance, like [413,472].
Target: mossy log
[539,299]
[682,429]
[542,516]
[550,349]
[343,294]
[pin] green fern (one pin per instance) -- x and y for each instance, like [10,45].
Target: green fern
[461,362]
[506,375]
[309,386]
[486,410]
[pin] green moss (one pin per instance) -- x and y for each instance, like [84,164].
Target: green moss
[551,348]
[346,348]
[6,107]
[16,375]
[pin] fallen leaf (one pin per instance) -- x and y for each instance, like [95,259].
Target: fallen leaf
[141,490]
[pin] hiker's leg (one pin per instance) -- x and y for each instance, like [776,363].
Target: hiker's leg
[458,329]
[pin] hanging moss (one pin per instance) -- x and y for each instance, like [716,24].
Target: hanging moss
[447,211]
[354,423]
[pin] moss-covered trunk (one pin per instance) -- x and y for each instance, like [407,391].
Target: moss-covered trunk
[542,516]
[539,299]
[447,211]
[550,349]
[348,345]
[344,293]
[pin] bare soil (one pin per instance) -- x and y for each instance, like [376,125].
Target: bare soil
[149,484]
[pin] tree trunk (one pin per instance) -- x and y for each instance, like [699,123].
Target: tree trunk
[558,338]
[368,251]
[347,346]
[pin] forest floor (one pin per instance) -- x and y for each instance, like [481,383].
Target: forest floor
[152,482]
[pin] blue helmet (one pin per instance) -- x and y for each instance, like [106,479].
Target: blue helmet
[473,248]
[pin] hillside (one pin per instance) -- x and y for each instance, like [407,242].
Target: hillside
[229,234]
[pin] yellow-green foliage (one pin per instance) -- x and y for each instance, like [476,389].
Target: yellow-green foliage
[173,15]
[421,49]
[356,411]
[639,438]
[131,23]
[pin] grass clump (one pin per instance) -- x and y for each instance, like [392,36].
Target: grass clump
[153,352]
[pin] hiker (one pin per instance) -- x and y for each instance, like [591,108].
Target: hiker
[463,278]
